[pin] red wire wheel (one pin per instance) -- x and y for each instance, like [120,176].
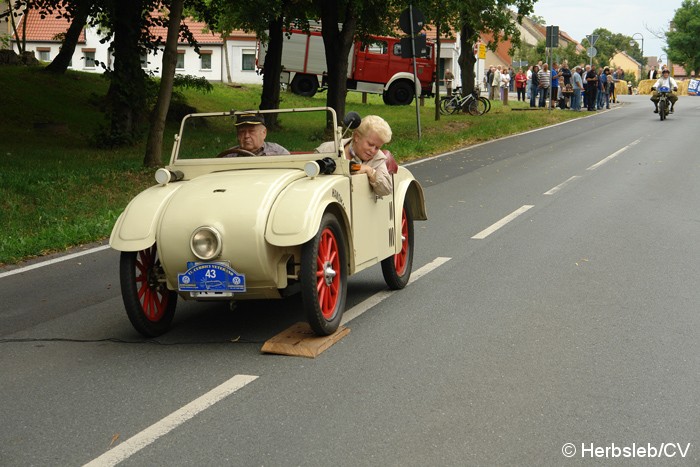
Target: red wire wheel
[324,277]
[149,304]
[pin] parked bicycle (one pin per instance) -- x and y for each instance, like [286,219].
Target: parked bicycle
[472,103]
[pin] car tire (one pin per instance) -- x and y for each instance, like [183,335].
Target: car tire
[305,85]
[399,93]
[397,268]
[323,277]
[149,304]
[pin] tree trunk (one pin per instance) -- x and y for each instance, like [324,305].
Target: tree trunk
[21,42]
[337,44]
[466,58]
[126,97]
[59,65]
[228,66]
[154,146]
[272,68]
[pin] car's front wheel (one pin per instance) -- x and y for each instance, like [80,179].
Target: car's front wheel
[397,269]
[149,304]
[324,277]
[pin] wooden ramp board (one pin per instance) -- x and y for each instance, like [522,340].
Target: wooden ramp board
[300,341]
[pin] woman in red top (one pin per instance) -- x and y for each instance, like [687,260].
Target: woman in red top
[520,83]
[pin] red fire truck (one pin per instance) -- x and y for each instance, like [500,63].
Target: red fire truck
[375,67]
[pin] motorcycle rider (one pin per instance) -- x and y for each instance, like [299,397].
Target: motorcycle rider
[667,81]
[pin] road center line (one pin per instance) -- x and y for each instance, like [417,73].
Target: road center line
[375,299]
[560,186]
[489,230]
[169,423]
[613,155]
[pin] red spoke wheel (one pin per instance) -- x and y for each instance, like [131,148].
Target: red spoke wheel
[397,269]
[324,277]
[149,304]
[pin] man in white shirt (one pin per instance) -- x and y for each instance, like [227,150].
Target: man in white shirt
[666,81]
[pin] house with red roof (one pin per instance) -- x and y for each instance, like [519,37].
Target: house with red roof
[44,38]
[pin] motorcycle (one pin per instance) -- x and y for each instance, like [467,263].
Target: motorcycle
[664,102]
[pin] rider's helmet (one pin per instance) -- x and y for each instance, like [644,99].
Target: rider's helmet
[666,71]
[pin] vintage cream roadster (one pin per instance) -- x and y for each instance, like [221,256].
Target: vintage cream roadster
[237,228]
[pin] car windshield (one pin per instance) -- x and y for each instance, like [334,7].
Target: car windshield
[300,131]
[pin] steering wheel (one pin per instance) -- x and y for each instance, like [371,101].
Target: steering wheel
[235,152]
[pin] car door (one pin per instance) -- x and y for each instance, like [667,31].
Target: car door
[372,223]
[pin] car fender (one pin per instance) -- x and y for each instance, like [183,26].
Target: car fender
[297,211]
[407,189]
[136,227]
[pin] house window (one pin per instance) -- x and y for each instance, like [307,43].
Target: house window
[144,61]
[248,60]
[44,54]
[205,59]
[180,63]
[89,57]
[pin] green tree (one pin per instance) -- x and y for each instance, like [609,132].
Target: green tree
[268,19]
[472,18]
[684,38]
[609,44]
[154,145]
[342,21]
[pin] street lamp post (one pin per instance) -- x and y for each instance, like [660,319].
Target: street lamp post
[641,40]
[662,58]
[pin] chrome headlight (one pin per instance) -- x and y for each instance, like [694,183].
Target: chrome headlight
[206,243]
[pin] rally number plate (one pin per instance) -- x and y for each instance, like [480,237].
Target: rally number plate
[211,279]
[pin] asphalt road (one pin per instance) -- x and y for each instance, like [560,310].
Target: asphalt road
[555,323]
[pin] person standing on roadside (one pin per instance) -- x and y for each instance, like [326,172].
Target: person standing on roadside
[489,79]
[591,88]
[577,88]
[511,72]
[554,94]
[529,82]
[567,90]
[449,79]
[545,79]
[534,85]
[496,83]
[505,86]
[520,83]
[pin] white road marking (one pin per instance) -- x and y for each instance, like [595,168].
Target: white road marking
[169,423]
[560,186]
[375,299]
[53,261]
[613,155]
[489,230]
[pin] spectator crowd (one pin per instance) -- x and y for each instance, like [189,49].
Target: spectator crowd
[576,88]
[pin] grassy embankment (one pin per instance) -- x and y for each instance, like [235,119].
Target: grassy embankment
[58,190]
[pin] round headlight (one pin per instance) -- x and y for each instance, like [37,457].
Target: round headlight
[312,169]
[206,243]
[163,176]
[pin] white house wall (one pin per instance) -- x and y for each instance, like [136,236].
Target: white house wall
[236,49]
[449,52]
[92,44]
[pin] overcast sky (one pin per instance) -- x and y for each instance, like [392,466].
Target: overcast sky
[578,19]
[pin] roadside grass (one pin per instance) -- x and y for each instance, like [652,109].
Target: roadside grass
[58,190]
